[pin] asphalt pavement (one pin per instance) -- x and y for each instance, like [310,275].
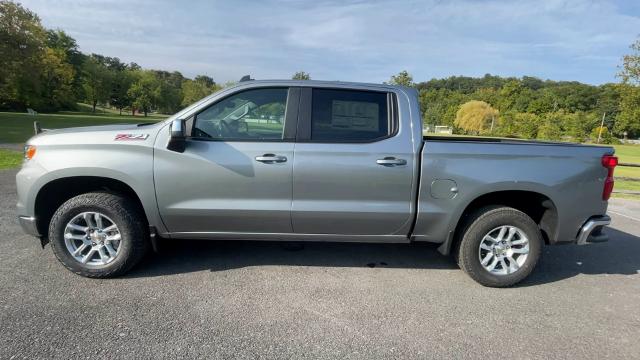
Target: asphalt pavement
[200,299]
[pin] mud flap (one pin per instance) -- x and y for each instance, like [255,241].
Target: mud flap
[43,241]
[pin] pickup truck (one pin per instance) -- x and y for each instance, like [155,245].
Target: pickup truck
[309,161]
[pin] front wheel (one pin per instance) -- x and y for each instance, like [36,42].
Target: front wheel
[500,246]
[98,235]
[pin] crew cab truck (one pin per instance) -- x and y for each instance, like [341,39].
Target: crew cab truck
[309,161]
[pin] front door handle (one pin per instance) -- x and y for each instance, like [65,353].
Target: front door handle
[271,158]
[391,161]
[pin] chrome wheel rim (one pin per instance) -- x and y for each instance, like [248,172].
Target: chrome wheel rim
[92,239]
[504,250]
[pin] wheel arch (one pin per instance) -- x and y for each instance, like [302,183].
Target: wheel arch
[536,205]
[55,192]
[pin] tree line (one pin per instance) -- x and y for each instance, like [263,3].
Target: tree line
[529,107]
[43,69]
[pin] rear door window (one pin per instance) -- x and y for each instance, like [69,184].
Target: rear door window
[349,116]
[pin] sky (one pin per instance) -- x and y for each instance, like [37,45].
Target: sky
[352,40]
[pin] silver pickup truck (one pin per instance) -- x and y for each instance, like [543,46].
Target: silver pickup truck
[309,161]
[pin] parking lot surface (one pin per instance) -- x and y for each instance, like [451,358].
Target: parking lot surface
[199,299]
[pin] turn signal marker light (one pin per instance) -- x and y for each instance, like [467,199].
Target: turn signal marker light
[29,152]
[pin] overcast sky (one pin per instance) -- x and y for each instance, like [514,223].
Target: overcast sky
[356,40]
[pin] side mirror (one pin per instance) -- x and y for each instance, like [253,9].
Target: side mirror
[177,139]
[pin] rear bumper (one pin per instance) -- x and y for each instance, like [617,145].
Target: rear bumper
[591,231]
[29,225]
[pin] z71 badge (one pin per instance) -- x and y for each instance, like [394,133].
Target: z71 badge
[127,137]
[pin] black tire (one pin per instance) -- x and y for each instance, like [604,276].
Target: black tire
[479,224]
[134,233]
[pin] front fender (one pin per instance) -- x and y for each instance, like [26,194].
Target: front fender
[133,167]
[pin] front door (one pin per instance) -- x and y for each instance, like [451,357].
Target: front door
[235,175]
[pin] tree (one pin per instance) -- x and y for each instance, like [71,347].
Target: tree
[121,82]
[488,95]
[603,134]
[630,72]
[527,125]
[301,75]
[439,107]
[61,42]
[514,96]
[403,78]
[57,81]
[194,90]
[608,102]
[476,117]
[22,48]
[205,80]
[629,117]
[549,130]
[142,91]
[507,125]
[544,101]
[97,81]
[167,91]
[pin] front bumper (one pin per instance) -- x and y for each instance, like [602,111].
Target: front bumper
[591,231]
[29,225]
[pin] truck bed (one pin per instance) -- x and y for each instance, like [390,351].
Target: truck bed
[458,170]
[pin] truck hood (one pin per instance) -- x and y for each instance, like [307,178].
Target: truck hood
[103,134]
[116,127]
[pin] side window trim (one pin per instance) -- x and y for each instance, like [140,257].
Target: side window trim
[305,113]
[291,114]
[304,116]
[290,118]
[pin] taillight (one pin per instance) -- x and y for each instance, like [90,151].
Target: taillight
[609,162]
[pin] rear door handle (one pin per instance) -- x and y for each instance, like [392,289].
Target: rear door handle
[271,158]
[391,161]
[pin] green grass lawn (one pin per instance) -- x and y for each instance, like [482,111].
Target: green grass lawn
[18,127]
[627,154]
[9,159]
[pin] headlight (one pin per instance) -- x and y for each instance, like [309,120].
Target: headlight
[29,152]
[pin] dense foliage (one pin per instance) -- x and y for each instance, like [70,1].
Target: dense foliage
[533,108]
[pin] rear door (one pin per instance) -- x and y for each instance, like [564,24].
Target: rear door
[353,164]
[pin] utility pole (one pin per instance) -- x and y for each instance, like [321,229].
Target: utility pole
[601,126]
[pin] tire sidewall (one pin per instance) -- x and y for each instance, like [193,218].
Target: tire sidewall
[487,222]
[68,211]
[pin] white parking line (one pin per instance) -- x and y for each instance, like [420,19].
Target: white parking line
[623,215]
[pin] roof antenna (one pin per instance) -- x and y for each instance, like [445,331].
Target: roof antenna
[246,78]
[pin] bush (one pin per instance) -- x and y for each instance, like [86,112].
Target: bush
[550,130]
[605,136]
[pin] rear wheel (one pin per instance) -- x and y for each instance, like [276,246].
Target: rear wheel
[98,235]
[500,246]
